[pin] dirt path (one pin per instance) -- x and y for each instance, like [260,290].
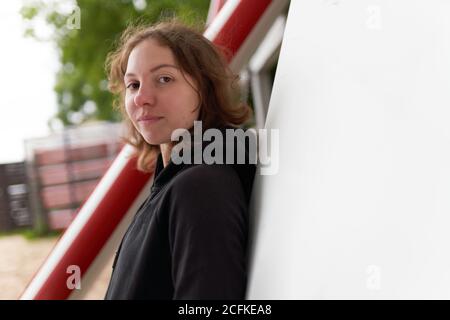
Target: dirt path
[21,258]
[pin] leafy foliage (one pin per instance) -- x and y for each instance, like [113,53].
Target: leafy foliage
[84,31]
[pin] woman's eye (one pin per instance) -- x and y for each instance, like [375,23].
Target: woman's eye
[164,79]
[133,85]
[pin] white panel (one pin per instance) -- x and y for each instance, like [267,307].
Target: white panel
[360,207]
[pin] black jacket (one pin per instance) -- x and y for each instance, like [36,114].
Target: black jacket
[188,240]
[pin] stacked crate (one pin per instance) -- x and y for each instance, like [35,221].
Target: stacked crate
[14,205]
[66,167]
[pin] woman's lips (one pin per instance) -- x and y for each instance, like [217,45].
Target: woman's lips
[149,119]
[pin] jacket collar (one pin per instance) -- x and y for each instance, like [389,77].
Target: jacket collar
[163,174]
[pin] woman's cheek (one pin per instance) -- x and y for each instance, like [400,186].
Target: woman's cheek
[129,108]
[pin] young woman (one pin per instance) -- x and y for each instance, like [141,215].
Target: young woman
[188,240]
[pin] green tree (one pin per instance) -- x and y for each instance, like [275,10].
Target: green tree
[84,31]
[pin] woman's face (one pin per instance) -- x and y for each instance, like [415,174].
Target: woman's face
[159,98]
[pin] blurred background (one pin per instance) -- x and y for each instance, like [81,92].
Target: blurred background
[59,132]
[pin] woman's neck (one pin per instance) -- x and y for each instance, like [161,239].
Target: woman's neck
[166,150]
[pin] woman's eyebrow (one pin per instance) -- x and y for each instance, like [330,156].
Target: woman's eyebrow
[154,69]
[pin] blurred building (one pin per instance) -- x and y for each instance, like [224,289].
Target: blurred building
[64,168]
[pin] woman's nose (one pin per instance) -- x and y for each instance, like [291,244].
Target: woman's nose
[145,96]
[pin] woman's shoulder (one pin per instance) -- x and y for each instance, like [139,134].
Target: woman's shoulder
[205,195]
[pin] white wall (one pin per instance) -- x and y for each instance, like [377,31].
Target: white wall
[360,206]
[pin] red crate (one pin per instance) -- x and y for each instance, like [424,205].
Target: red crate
[64,173]
[60,219]
[55,156]
[67,194]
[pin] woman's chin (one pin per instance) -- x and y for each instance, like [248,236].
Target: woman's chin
[150,139]
[154,140]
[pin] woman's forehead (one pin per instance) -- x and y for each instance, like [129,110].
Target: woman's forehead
[150,56]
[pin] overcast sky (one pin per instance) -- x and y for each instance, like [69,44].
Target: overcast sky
[27,78]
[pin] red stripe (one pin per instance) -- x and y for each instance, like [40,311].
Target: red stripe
[91,239]
[239,25]
[123,192]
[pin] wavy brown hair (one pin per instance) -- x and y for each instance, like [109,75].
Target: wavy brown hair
[197,56]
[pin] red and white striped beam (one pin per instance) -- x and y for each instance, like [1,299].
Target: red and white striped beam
[214,8]
[92,237]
